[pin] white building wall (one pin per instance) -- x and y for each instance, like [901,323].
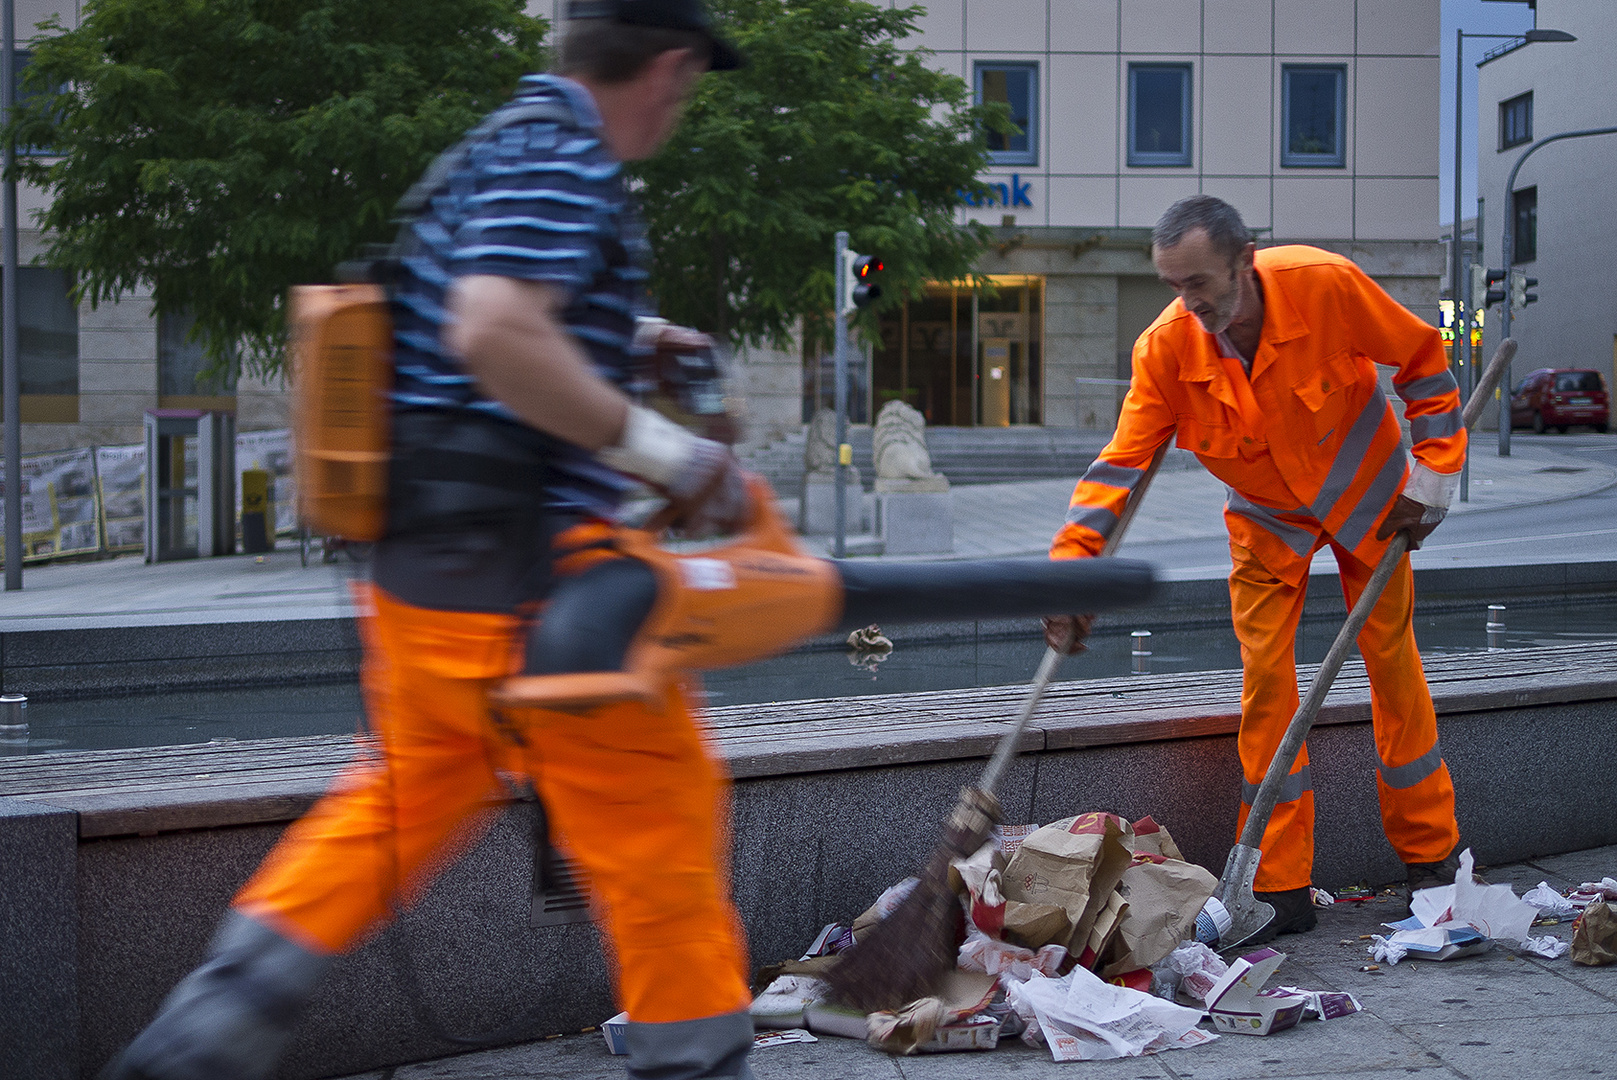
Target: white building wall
[1386,191]
[1574,87]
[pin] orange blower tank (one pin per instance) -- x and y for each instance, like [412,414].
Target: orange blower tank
[342,370]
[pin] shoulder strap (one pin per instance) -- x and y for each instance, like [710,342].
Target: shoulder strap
[415,200]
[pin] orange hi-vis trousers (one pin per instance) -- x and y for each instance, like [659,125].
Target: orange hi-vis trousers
[631,792]
[1417,796]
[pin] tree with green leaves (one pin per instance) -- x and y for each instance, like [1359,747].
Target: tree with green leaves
[833,125]
[221,151]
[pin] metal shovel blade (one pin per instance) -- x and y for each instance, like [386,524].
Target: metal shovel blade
[1248,914]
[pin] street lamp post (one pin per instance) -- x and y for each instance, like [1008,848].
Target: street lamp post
[1456,288]
[9,359]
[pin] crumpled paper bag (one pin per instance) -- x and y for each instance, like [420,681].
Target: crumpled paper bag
[1594,935]
[1072,865]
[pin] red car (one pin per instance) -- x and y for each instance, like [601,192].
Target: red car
[1551,399]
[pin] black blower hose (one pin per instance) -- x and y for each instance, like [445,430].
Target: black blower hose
[592,618]
[891,593]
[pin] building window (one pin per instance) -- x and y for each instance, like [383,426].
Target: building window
[1159,114]
[1016,86]
[182,366]
[1524,224]
[1516,121]
[1314,116]
[20,59]
[47,332]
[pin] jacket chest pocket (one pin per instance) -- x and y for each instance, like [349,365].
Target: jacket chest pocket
[1324,393]
[1206,438]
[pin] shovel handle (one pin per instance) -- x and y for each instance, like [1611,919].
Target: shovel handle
[1263,804]
[1052,659]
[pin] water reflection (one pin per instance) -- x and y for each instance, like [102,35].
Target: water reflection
[263,712]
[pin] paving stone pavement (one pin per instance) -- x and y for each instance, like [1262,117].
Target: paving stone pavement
[1499,1016]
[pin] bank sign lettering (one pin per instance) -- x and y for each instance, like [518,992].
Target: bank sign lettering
[1015,192]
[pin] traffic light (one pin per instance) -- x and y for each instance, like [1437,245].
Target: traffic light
[1519,284]
[858,287]
[1483,295]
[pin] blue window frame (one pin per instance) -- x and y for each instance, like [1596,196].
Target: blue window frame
[1313,116]
[1159,115]
[1016,86]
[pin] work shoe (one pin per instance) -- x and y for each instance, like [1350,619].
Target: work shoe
[1294,914]
[230,1018]
[1431,875]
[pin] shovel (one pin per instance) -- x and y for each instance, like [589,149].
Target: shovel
[1248,914]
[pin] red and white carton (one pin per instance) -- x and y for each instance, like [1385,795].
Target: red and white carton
[1238,1003]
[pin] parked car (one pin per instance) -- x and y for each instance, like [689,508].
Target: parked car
[1552,399]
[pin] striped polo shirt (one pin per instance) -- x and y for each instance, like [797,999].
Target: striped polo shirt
[540,200]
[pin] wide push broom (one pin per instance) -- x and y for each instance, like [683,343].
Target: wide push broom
[907,954]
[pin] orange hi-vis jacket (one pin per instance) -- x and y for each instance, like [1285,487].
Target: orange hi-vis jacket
[1308,443]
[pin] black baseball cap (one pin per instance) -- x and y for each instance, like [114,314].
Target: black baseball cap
[670,14]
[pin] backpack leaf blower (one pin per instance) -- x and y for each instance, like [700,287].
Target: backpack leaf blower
[637,615]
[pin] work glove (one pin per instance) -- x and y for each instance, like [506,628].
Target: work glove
[689,376]
[1066,633]
[706,489]
[1415,519]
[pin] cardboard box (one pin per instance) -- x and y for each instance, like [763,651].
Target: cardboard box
[1239,1005]
[616,1033]
[980,1032]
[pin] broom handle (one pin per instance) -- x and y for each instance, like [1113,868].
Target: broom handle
[1263,803]
[1052,659]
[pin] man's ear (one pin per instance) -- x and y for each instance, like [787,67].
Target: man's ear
[1248,253]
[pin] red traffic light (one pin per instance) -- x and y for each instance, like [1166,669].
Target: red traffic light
[866,265]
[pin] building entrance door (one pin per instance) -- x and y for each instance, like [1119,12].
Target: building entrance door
[966,357]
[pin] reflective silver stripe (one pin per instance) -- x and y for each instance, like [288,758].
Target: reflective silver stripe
[1350,456]
[1295,537]
[1117,476]
[1298,782]
[686,1049]
[1407,776]
[1429,387]
[1440,426]
[1372,502]
[1098,518]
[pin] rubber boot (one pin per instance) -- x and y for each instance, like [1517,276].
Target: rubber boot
[230,1018]
[715,1046]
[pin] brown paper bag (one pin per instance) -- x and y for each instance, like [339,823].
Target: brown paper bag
[1594,935]
[1163,901]
[1033,926]
[1153,839]
[1073,864]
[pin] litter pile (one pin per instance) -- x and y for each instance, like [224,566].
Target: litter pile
[1080,936]
[1466,918]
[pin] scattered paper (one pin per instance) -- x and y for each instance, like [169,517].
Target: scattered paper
[1450,921]
[1547,946]
[983,953]
[1324,1004]
[1193,970]
[783,1001]
[779,1038]
[1082,1018]
[1548,901]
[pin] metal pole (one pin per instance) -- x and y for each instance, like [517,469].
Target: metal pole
[9,358]
[840,354]
[1456,288]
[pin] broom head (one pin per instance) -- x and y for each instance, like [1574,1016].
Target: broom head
[907,954]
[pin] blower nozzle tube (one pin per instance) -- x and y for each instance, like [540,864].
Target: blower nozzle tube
[892,593]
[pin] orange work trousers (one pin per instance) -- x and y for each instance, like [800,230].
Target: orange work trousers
[632,792]
[1412,780]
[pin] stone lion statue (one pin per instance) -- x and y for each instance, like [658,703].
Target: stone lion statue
[900,444]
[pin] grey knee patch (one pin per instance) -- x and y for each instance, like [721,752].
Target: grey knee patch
[231,1017]
[715,1046]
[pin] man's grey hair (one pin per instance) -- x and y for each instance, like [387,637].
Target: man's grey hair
[1221,221]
